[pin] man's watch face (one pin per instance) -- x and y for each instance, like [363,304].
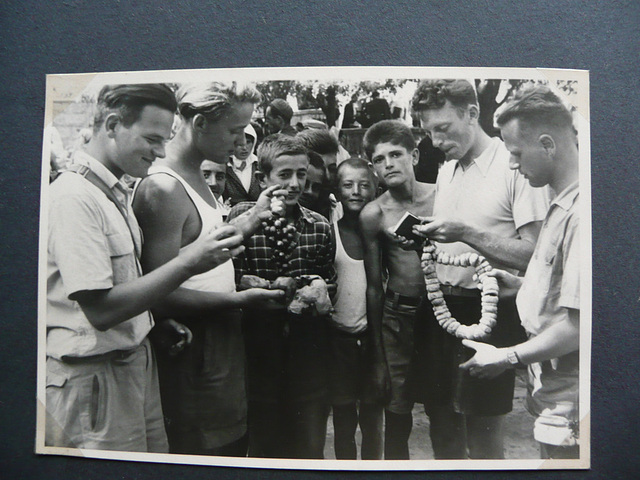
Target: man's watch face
[512,358]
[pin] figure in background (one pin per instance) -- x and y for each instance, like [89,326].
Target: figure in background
[242,184]
[278,118]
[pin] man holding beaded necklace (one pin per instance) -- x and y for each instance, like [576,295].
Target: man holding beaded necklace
[538,132]
[483,207]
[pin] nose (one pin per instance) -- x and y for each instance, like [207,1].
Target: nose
[388,161]
[158,151]
[437,141]
[356,190]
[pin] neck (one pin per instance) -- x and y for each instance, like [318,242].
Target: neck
[405,191]
[566,171]
[350,220]
[97,150]
[182,153]
[480,144]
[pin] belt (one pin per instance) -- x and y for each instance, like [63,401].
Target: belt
[113,355]
[403,299]
[452,291]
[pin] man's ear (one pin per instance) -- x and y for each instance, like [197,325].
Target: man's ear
[474,113]
[110,124]
[548,143]
[199,122]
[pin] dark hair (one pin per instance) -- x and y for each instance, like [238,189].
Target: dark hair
[275,146]
[213,99]
[319,140]
[433,94]
[536,105]
[315,160]
[358,164]
[388,131]
[129,100]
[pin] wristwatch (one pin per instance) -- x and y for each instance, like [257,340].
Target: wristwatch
[512,358]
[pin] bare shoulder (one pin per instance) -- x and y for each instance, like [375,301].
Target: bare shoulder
[161,194]
[371,212]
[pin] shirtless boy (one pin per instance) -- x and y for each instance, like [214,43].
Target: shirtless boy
[391,149]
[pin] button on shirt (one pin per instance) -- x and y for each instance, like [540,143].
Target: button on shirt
[489,195]
[90,247]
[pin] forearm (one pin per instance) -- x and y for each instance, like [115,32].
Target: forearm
[374,319]
[510,252]
[107,308]
[186,302]
[556,341]
[247,222]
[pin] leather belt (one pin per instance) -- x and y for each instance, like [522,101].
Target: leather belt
[452,291]
[403,299]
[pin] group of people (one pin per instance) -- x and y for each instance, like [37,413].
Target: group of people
[168,327]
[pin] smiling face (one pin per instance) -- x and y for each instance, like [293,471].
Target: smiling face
[290,172]
[528,153]
[218,139]
[394,163]
[135,147]
[355,188]
[451,130]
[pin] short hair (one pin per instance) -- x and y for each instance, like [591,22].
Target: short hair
[213,99]
[282,109]
[536,105]
[433,94]
[388,131]
[319,140]
[315,160]
[129,100]
[275,146]
[358,163]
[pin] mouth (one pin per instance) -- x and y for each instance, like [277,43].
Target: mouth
[148,160]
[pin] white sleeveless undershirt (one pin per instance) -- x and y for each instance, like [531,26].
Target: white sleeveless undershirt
[351,303]
[222,278]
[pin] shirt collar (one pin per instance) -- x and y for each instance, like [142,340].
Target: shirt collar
[103,173]
[484,160]
[566,198]
[305,213]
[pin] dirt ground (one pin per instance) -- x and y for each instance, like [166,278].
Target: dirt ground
[518,443]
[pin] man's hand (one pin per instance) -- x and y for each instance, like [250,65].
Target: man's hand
[218,246]
[509,283]
[488,362]
[270,202]
[171,337]
[441,230]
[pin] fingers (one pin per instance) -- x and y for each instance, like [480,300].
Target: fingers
[471,344]
[231,243]
[468,364]
[224,231]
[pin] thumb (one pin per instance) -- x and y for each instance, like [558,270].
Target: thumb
[269,190]
[472,344]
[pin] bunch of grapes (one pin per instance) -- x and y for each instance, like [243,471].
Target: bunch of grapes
[281,237]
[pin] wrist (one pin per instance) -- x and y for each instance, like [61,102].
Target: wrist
[511,358]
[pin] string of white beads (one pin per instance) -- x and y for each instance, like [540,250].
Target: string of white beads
[489,297]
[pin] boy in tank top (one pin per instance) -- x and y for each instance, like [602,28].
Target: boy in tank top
[349,344]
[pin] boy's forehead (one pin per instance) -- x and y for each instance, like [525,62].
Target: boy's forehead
[387,146]
[299,160]
[353,173]
[213,166]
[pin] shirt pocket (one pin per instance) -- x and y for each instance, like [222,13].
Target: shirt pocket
[119,244]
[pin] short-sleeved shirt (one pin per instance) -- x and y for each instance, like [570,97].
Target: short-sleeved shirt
[90,247]
[550,288]
[313,254]
[489,195]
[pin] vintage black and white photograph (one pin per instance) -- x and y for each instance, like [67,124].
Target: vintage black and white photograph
[343,268]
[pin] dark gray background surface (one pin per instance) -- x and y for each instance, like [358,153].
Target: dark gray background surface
[69,36]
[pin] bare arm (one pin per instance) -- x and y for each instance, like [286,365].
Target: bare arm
[370,224]
[558,340]
[511,252]
[162,206]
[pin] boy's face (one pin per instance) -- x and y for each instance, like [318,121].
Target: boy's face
[528,154]
[313,187]
[290,172]
[450,130]
[243,150]
[394,163]
[355,188]
[215,175]
[331,164]
[221,137]
[136,147]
